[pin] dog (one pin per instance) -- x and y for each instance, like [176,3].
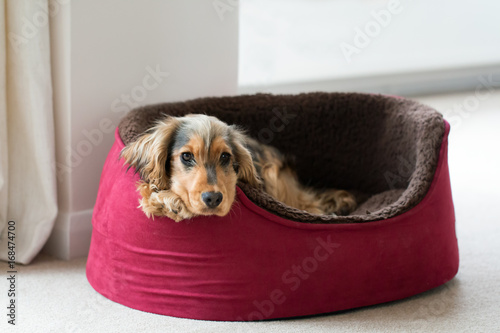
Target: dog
[190,166]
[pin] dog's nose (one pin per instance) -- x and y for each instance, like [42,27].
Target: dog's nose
[211,199]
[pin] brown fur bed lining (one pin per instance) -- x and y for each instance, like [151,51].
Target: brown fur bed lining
[385,149]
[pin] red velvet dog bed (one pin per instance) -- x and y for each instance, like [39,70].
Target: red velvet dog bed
[266,260]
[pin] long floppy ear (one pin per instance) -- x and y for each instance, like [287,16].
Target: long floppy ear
[244,163]
[150,153]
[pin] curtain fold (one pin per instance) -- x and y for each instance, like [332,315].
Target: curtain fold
[27,150]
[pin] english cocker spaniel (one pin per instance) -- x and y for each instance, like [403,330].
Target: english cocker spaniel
[190,166]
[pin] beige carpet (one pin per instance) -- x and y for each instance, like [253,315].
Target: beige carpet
[54,296]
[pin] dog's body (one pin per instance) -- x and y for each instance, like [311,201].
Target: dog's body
[190,166]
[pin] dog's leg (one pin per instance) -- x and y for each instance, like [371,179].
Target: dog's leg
[162,203]
[307,201]
[338,202]
[283,184]
[281,181]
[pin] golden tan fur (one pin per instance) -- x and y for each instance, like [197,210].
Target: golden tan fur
[281,182]
[186,163]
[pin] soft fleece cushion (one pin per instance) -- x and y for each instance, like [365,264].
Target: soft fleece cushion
[266,260]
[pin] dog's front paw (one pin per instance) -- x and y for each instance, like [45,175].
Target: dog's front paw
[174,207]
[174,216]
[164,203]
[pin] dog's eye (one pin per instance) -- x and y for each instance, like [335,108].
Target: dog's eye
[224,157]
[186,157]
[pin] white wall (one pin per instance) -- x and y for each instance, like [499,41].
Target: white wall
[300,45]
[108,49]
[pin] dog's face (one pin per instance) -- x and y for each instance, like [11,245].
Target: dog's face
[197,157]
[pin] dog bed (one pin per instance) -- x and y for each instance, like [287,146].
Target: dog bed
[266,260]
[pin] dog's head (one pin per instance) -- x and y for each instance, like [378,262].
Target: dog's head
[198,157]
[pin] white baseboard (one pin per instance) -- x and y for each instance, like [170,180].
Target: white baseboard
[402,84]
[71,235]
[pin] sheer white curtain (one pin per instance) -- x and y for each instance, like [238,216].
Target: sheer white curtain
[27,153]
